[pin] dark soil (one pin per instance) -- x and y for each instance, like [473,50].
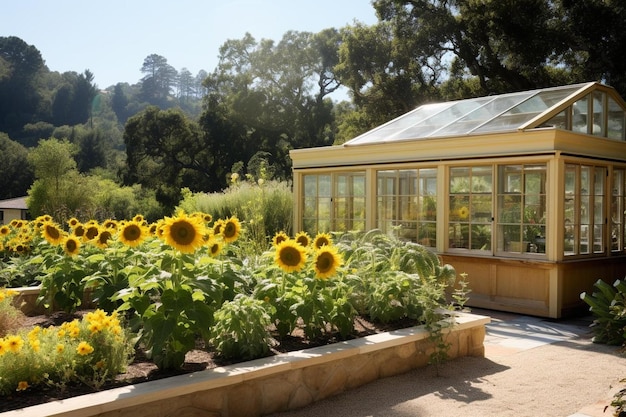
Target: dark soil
[201,358]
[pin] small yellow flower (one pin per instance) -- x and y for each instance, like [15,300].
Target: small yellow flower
[22,386]
[14,343]
[84,348]
[60,348]
[35,345]
[4,348]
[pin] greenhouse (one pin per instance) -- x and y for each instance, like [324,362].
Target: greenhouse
[524,192]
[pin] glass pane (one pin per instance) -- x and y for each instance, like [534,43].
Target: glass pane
[599,124]
[510,209]
[481,237]
[481,180]
[615,128]
[481,208]
[459,180]
[580,113]
[459,235]
[459,208]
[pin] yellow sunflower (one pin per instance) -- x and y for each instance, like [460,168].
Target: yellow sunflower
[79,230]
[184,233]
[110,224]
[103,238]
[71,246]
[327,259]
[132,233]
[322,239]
[5,230]
[279,237]
[463,212]
[231,229]
[215,247]
[138,218]
[303,239]
[217,227]
[290,256]
[52,233]
[91,230]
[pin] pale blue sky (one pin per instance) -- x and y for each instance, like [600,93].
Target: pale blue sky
[113,37]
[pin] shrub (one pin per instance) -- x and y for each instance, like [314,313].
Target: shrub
[10,317]
[608,306]
[90,351]
[241,329]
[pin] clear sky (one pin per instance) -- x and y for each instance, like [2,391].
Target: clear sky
[112,38]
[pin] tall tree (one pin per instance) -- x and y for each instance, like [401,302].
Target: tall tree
[19,95]
[159,80]
[165,152]
[15,173]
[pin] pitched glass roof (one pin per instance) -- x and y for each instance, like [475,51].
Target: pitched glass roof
[549,107]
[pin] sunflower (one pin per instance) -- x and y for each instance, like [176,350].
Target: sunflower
[207,218]
[322,239]
[71,246]
[110,224]
[102,240]
[463,212]
[73,222]
[231,229]
[5,230]
[279,237]
[52,233]
[217,227]
[132,233]
[138,218]
[184,233]
[326,262]
[303,239]
[215,247]
[79,230]
[290,256]
[91,231]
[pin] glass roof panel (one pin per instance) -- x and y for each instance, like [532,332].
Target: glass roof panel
[506,112]
[401,123]
[526,110]
[456,111]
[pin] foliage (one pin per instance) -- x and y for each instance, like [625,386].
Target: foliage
[241,329]
[15,173]
[91,351]
[265,208]
[608,306]
[10,316]
[189,276]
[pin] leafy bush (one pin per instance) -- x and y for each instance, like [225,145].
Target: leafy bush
[10,317]
[90,351]
[608,306]
[241,329]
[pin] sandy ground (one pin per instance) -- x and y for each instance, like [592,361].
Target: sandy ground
[548,378]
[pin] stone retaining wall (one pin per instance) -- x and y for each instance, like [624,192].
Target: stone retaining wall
[282,382]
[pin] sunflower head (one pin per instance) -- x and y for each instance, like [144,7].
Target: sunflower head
[132,233]
[290,256]
[4,230]
[279,237]
[103,238]
[73,222]
[79,230]
[52,233]
[71,246]
[184,233]
[215,247]
[463,212]
[327,260]
[303,239]
[138,218]
[91,231]
[110,224]
[231,229]
[322,239]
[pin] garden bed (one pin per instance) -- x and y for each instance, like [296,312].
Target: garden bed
[280,382]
